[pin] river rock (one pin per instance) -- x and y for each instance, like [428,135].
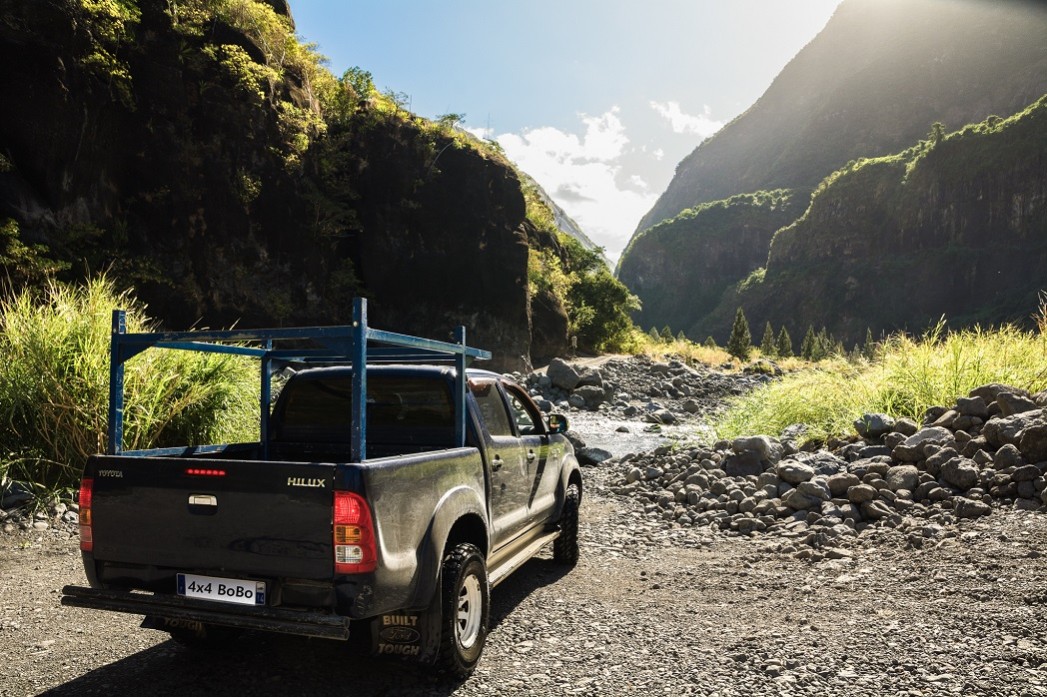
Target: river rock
[861,493]
[562,375]
[839,483]
[931,434]
[960,472]
[769,449]
[743,464]
[969,508]
[1007,456]
[973,406]
[1032,442]
[1011,403]
[903,477]
[794,472]
[874,425]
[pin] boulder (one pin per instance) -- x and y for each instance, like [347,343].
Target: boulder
[592,395]
[743,464]
[769,449]
[794,472]
[960,473]
[1000,431]
[1011,403]
[931,434]
[861,493]
[562,375]
[874,425]
[969,508]
[1032,442]
[973,406]
[901,477]
[1007,456]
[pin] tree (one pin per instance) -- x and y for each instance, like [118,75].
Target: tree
[653,333]
[767,346]
[740,343]
[869,349]
[680,336]
[709,342]
[807,345]
[784,344]
[667,334]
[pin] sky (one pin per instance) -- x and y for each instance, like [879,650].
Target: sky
[597,100]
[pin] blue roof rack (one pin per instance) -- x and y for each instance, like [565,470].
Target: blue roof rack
[355,345]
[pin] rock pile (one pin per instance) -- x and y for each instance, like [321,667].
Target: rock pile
[990,449]
[637,388]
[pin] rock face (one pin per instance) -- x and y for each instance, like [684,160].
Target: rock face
[204,173]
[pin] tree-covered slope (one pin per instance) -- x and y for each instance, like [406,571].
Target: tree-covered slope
[681,267]
[871,83]
[200,154]
[954,226]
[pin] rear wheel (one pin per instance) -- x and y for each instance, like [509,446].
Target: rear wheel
[465,605]
[565,547]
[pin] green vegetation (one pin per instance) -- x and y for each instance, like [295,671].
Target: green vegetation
[768,346]
[54,386]
[906,377]
[740,343]
[598,305]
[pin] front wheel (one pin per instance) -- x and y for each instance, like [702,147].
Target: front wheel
[465,605]
[565,547]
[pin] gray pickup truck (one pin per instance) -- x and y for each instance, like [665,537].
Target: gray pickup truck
[387,499]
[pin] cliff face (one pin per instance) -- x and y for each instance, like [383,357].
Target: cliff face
[187,150]
[681,267]
[956,226]
[871,83]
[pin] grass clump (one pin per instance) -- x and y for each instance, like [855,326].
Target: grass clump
[906,377]
[54,386]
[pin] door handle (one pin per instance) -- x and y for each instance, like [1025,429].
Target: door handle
[496,463]
[530,456]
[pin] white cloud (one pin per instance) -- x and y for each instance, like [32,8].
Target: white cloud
[583,174]
[703,125]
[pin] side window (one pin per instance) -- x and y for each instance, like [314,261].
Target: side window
[492,408]
[527,422]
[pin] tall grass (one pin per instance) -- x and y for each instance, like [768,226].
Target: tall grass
[906,377]
[54,386]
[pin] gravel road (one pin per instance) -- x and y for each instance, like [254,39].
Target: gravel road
[650,609]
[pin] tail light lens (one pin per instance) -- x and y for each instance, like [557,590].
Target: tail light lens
[355,551]
[87,543]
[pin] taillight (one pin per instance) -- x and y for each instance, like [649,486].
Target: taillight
[87,542]
[354,546]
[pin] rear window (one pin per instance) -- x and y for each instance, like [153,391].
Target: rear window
[321,409]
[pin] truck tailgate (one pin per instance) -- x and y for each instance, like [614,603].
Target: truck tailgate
[240,517]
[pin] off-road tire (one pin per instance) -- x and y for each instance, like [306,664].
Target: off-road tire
[465,610]
[565,547]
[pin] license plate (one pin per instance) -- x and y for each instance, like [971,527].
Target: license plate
[224,590]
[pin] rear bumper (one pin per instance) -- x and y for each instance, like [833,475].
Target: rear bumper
[303,623]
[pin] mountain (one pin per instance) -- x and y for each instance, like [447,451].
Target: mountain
[203,157]
[954,226]
[872,83]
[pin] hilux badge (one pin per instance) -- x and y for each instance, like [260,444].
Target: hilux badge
[310,483]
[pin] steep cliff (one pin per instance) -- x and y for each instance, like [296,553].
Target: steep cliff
[681,267]
[199,153]
[871,83]
[955,226]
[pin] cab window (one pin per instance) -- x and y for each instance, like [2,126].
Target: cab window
[492,408]
[528,422]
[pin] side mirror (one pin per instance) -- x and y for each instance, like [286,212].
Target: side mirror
[558,423]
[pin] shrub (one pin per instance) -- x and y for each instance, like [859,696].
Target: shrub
[54,386]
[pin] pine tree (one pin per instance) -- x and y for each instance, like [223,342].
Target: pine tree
[709,342]
[680,336]
[784,345]
[654,334]
[667,334]
[740,343]
[807,345]
[767,347]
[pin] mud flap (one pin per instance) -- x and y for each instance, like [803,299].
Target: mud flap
[410,635]
[165,624]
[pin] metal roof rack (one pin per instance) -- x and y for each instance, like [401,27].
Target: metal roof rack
[355,345]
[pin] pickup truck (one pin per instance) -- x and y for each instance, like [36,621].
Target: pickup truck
[387,494]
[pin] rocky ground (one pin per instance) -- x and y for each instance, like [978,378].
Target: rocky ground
[674,594]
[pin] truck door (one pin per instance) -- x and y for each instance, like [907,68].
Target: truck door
[542,460]
[510,485]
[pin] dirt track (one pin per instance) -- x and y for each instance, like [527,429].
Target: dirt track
[647,610]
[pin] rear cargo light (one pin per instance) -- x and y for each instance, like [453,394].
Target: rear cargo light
[354,545]
[198,472]
[87,542]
